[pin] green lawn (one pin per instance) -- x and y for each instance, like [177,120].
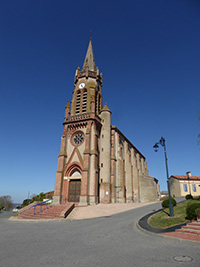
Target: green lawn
[162,220]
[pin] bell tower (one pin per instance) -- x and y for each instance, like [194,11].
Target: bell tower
[88,85]
[77,177]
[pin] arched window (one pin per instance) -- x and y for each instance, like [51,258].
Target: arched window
[76,174]
[84,105]
[78,102]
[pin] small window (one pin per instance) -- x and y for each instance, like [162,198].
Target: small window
[194,188]
[102,135]
[101,165]
[102,149]
[185,187]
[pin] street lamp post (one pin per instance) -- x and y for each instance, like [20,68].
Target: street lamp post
[188,176]
[156,146]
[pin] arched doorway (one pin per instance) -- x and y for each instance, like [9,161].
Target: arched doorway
[75,186]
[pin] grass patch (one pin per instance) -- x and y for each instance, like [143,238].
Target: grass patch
[163,220]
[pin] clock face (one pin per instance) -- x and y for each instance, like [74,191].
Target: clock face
[78,138]
[81,85]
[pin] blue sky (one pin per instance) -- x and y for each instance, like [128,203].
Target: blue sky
[149,53]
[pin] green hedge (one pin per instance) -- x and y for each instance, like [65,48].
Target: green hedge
[191,211]
[198,212]
[189,196]
[165,203]
[196,198]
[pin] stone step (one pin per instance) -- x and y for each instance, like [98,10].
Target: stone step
[39,217]
[41,214]
[60,211]
[195,223]
[189,231]
[187,236]
[191,226]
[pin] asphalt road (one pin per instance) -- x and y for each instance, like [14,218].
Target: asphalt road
[108,241]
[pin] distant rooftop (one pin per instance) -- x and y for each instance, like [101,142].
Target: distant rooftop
[185,177]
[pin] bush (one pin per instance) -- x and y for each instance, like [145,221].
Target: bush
[26,202]
[189,196]
[191,211]
[39,197]
[198,212]
[196,198]
[165,203]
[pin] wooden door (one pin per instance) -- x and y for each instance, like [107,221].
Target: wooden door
[74,190]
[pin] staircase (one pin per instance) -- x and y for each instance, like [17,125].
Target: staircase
[47,212]
[190,231]
[191,228]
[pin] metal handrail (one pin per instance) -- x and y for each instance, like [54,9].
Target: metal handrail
[26,208]
[40,204]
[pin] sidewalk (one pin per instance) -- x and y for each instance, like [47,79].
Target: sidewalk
[102,210]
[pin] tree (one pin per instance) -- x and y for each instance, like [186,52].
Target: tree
[6,202]
[39,197]
[26,202]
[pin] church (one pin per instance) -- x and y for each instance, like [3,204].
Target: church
[97,163]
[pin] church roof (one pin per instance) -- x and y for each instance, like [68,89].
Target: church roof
[127,140]
[89,58]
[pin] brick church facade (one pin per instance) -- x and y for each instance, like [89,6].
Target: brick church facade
[97,163]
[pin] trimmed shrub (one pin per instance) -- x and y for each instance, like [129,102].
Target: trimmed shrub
[196,198]
[198,212]
[189,196]
[191,211]
[165,203]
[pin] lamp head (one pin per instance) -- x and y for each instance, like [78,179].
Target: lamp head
[156,147]
[162,141]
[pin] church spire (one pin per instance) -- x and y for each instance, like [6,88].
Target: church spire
[89,58]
